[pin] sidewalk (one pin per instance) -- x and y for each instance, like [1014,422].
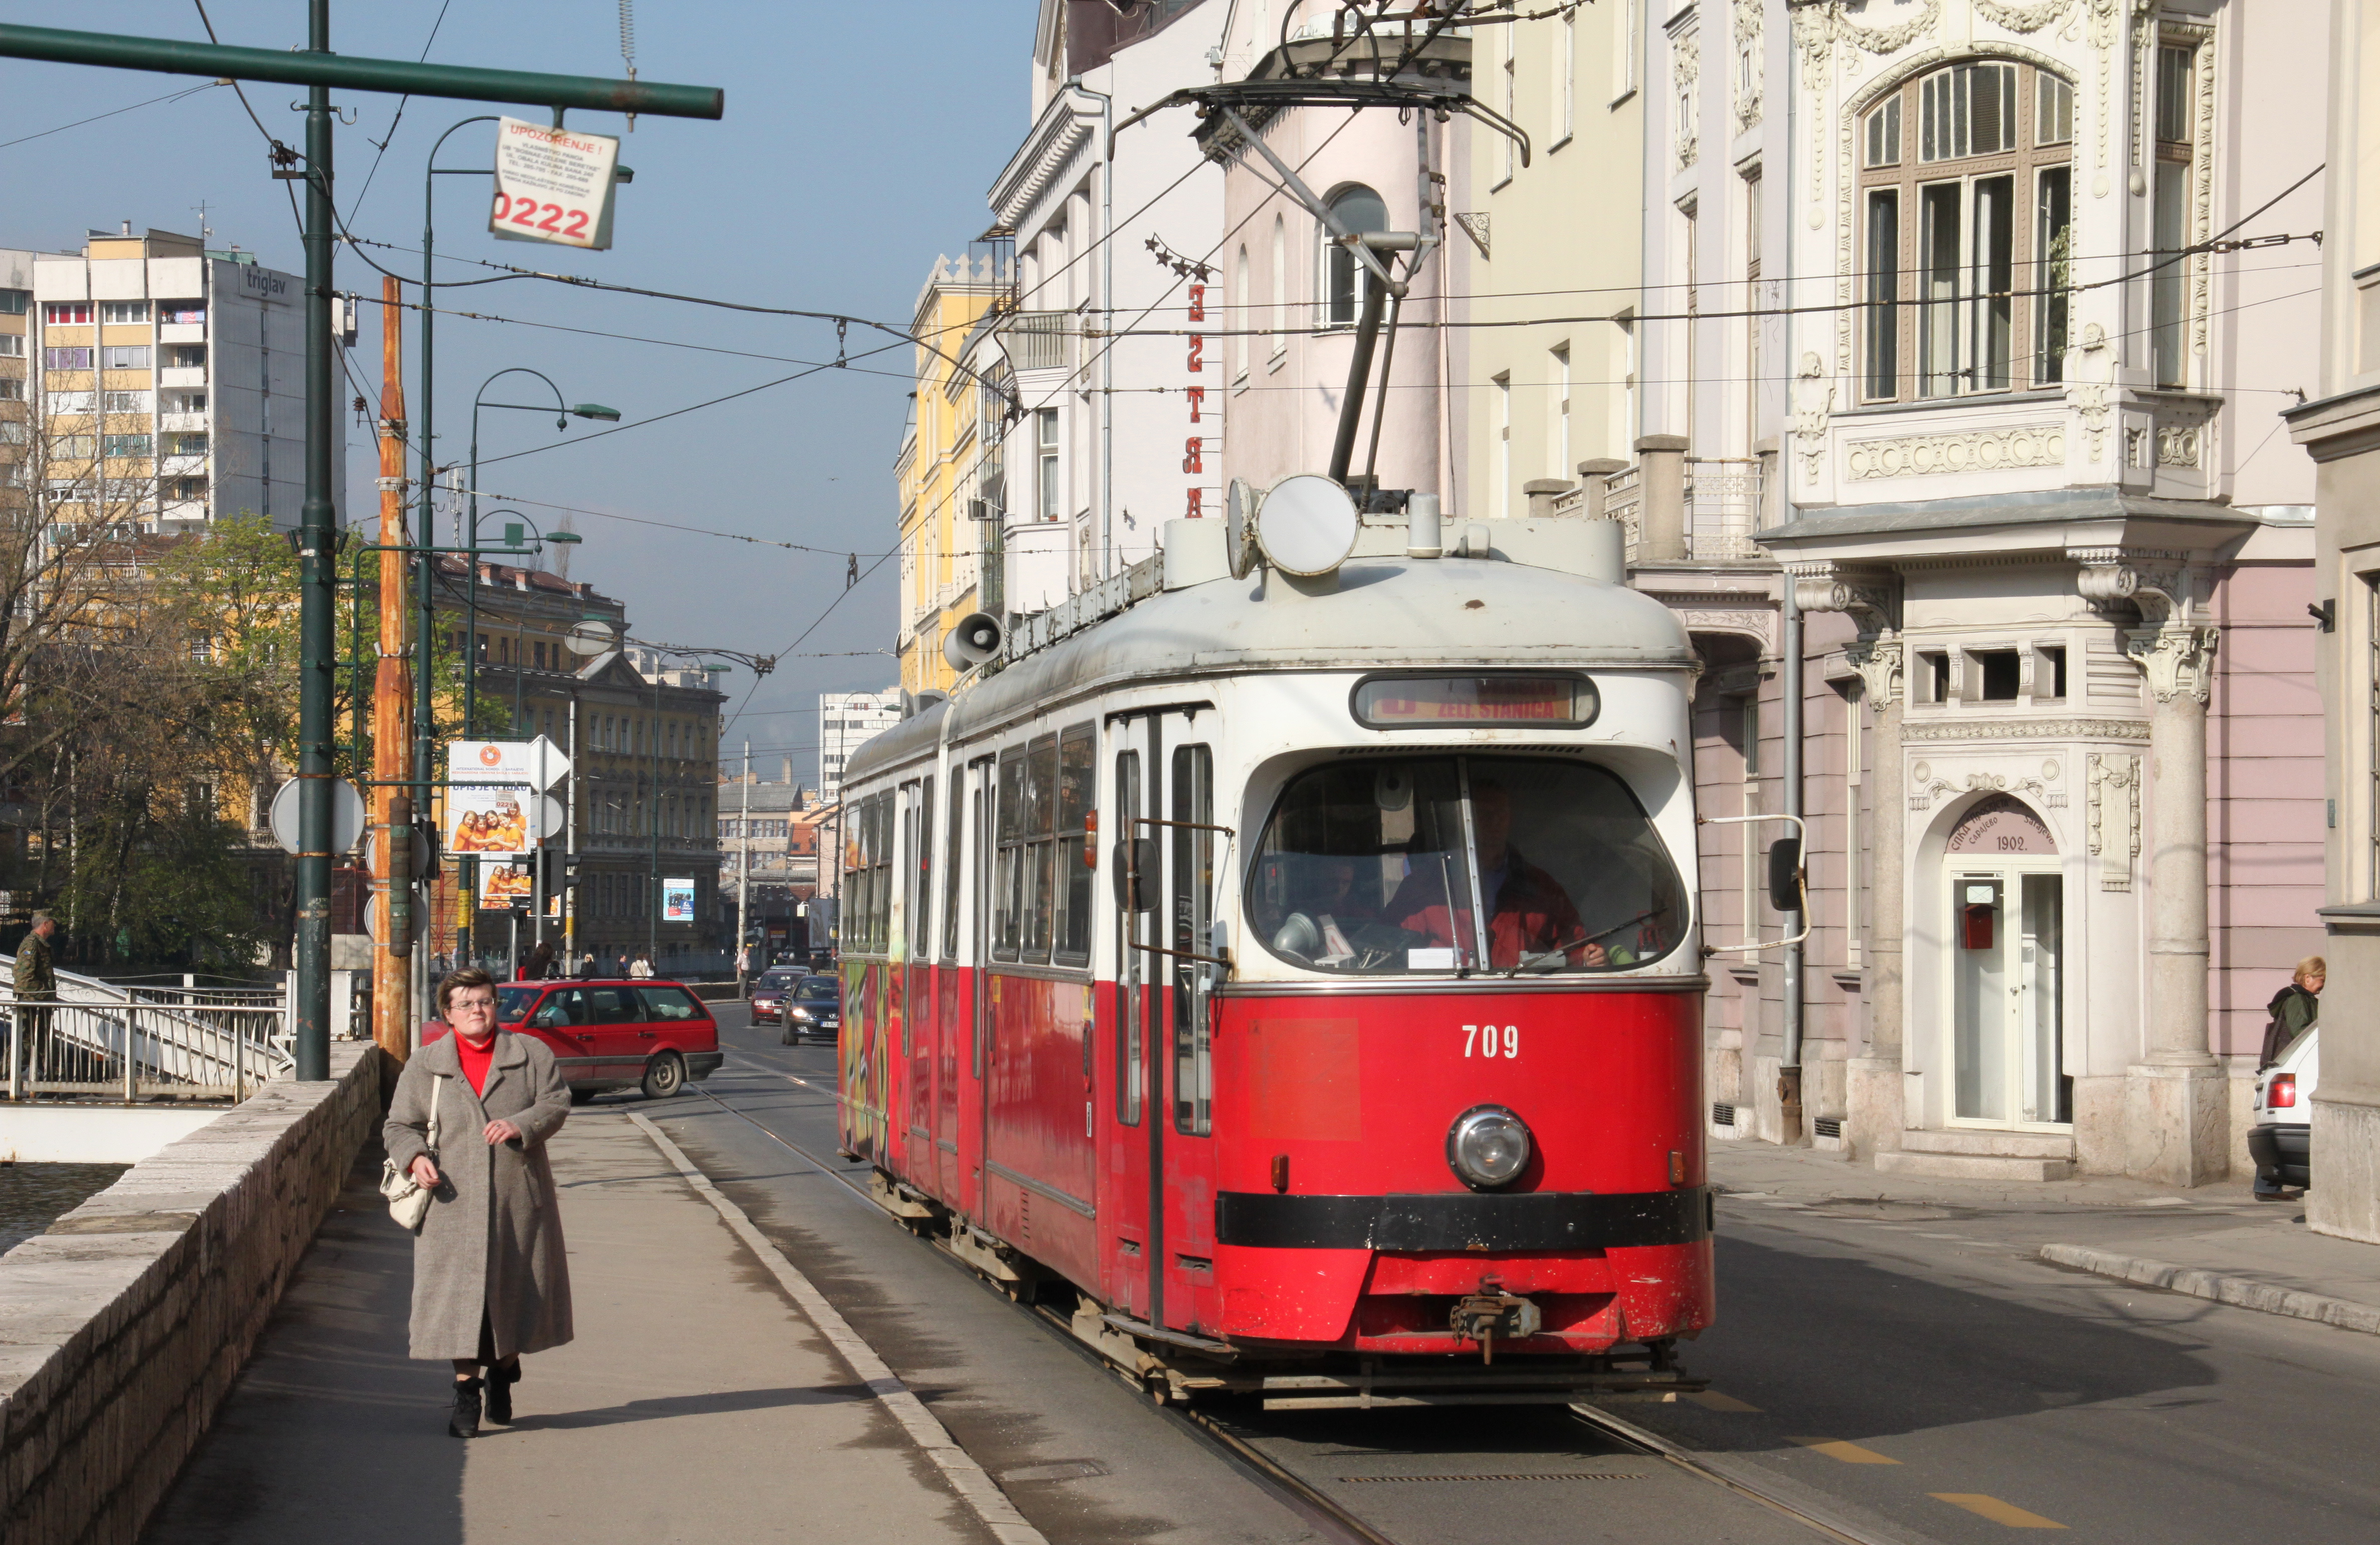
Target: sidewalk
[2215,1242]
[701,1401]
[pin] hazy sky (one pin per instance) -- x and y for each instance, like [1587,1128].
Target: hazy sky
[859,138]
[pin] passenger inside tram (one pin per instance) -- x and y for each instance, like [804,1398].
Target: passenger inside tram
[1364,869]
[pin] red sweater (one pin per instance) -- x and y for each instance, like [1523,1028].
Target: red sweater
[475,1059]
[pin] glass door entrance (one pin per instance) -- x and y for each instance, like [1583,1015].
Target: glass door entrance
[2008,948]
[2007,1044]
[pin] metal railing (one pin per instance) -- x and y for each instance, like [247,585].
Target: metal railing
[1037,340]
[220,1049]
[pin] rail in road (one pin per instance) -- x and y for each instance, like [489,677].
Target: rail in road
[1532,1467]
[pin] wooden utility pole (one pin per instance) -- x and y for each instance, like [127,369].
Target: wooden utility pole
[392,807]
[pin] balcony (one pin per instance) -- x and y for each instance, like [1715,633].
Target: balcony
[182,375]
[1711,518]
[1040,340]
[190,423]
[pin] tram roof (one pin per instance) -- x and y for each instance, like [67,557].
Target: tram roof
[1387,613]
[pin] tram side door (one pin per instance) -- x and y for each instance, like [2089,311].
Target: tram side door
[1125,1190]
[916,975]
[1192,846]
[943,947]
[978,974]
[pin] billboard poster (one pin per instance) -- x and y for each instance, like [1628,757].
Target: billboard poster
[677,901]
[489,761]
[487,819]
[503,886]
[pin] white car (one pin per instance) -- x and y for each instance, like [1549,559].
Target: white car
[2279,1142]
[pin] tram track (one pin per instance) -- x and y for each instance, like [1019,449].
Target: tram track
[1220,1436]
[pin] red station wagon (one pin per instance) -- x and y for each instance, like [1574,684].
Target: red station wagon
[612,1035]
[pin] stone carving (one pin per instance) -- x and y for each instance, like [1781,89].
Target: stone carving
[2201,170]
[1924,789]
[1814,402]
[2023,18]
[2002,825]
[2025,729]
[2177,658]
[1750,67]
[1915,455]
[2112,823]
[2180,445]
[2160,585]
[1475,226]
[1758,622]
[1685,71]
[1878,662]
[2090,370]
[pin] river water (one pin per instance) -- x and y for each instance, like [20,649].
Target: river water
[33,1196]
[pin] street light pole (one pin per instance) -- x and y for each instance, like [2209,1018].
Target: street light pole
[318,574]
[744,874]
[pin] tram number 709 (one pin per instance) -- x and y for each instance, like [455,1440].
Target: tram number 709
[1487,1040]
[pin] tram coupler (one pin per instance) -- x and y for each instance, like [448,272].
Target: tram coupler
[1483,1317]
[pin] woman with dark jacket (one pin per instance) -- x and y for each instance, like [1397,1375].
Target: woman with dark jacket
[490,1278]
[2292,1009]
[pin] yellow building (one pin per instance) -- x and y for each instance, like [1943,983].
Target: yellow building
[940,472]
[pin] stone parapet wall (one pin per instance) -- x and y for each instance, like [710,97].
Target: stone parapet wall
[123,1328]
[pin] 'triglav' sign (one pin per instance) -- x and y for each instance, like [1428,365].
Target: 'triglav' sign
[553,185]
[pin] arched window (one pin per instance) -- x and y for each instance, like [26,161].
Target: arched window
[1358,209]
[1966,211]
[1239,301]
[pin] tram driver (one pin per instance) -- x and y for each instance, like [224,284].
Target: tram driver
[1528,911]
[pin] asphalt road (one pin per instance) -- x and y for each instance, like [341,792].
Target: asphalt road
[1909,1373]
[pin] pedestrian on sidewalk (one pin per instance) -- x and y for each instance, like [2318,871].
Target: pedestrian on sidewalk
[36,982]
[2293,1009]
[641,968]
[490,1278]
[540,960]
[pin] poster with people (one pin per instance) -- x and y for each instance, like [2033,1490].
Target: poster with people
[504,885]
[485,819]
[677,901]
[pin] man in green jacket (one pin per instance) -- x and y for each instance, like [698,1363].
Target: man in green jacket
[36,982]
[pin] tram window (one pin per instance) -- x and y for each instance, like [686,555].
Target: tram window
[1077,791]
[1041,847]
[920,925]
[1133,1072]
[1008,883]
[1191,906]
[879,887]
[953,870]
[1357,864]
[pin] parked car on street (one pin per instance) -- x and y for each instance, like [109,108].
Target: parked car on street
[2280,1142]
[770,991]
[613,1034]
[814,1011]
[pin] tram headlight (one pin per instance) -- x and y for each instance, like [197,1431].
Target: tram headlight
[1488,1147]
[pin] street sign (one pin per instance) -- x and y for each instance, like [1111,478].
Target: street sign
[373,922]
[488,762]
[548,764]
[591,636]
[546,818]
[420,851]
[346,815]
[553,185]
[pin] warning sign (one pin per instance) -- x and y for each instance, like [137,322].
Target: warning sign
[553,185]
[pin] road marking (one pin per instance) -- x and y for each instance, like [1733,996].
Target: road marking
[1849,1454]
[1717,1402]
[968,1477]
[1995,1510]
[1954,1238]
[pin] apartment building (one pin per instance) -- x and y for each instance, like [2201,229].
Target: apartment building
[846,720]
[171,384]
[939,471]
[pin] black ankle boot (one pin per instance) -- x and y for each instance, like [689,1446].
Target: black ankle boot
[465,1423]
[501,1380]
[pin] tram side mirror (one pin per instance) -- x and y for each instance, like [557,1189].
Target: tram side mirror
[1785,874]
[1136,873]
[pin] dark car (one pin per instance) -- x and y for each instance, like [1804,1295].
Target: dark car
[769,994]
[814,1010]
[613,1034]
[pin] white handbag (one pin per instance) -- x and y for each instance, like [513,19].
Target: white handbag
[408,1201]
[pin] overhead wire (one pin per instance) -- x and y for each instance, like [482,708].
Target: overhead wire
[113,113]
[381,144]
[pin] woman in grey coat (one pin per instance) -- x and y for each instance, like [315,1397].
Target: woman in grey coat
[490,1279]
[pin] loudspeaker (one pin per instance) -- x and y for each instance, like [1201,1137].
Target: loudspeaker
[976,640]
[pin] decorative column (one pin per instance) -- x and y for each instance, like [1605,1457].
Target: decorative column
[1662,486]
[2176,1109]
[1876,1109]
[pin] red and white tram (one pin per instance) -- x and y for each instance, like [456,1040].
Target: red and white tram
[1166,978]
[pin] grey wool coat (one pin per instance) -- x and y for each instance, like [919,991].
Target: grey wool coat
[492,1240]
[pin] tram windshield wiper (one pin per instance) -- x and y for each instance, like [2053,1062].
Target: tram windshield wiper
[1545,958]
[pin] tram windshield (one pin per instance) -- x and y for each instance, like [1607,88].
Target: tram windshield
[1369,868]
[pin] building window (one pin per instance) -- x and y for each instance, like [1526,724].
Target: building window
[1240,332]
[2177,71]
[125,445]
[66,313]
[185,312]
[1934,683]
[12,345]
[1344,278]
[2049,673]
[1999,673]
[1279,286]
[126,356]
[124,310]
[1567,86]
[73,447]
[14,302]
[1045,440]
[185,357]
[1752,322]
[1561,424]
[66,359]
[1503,384]
[1512,101]
[1951,218]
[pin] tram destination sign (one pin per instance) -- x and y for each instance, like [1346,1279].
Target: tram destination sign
[1542,700]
